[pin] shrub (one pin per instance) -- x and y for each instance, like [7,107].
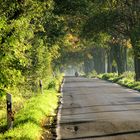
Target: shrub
[109,76]
[129,75]
[52,84]
[92,74]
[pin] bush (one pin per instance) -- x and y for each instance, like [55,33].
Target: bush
[137,87]
[129,75]
[109,76]
[52,84]
[116,79]
[92,74]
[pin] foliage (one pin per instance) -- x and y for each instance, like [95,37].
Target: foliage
[126,79]
[120,20]
[52,84]
[29,42]
[29,45]
[92,74]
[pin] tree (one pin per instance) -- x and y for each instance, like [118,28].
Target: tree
[28,42]
[119,17]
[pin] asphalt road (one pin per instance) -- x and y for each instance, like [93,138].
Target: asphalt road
[94,109]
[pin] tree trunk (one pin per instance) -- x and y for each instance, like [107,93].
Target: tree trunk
[135,40]
[120,57]
[125,57]
[137,68]
[88,65]
[109,60]
[99,59]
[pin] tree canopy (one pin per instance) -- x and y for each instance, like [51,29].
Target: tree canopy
[38,36]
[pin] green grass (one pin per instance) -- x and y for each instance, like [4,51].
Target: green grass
[25,97]
[126,79]
[28,121]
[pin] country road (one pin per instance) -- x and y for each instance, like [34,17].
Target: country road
[94,109]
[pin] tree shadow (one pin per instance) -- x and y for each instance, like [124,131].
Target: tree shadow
[105,135]
[3,128]
[133,99]
[99,105]
[107,111]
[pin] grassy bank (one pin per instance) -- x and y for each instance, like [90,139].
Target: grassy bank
[126,79]
[28,121]
[31,112]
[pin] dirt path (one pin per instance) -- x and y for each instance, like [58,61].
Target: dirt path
[95,109]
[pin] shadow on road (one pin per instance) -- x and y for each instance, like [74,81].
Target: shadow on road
[105,135]
[101,112]
[129,104]
[133,99]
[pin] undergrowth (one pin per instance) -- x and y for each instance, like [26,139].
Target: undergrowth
[30,112]
[127,79]
[28,121]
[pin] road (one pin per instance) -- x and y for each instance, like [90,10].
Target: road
[94,109]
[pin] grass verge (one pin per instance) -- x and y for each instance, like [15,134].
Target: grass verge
[28,121]
[126,79]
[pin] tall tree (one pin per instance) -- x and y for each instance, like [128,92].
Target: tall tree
[119,17]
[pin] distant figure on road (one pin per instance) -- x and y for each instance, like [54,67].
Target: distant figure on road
[76,74]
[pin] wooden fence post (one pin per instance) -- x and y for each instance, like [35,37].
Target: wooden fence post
[10,117]
[41,86]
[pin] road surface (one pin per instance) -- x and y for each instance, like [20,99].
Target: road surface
[94,109]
